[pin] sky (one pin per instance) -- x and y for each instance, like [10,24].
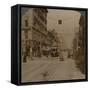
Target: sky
[69,26]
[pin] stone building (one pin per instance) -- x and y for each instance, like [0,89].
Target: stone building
[34,32]
[79,45]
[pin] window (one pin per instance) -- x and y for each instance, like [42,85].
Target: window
[26,23]
[59,21]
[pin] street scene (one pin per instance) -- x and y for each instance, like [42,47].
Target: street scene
[52,44]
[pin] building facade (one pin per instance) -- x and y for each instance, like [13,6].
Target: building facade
[34,32]
[79,45]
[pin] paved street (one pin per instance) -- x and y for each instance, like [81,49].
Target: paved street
[47,69]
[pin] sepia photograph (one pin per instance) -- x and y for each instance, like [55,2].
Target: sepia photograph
[53,44]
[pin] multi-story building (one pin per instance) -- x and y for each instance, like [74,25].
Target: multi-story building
[34,32]
[79,45]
